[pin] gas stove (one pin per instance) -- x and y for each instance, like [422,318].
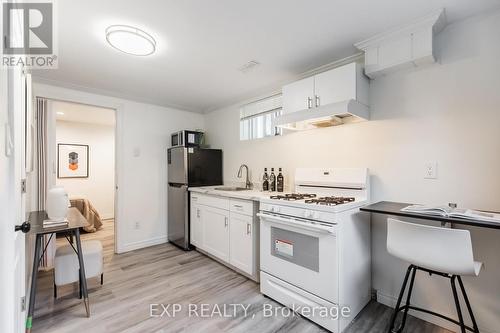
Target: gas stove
[313,243]
[319,192]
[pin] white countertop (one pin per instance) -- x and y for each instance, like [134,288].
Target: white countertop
[245,195]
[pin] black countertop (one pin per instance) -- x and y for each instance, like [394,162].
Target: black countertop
[394,209]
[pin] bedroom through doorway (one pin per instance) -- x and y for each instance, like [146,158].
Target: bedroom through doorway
[85,166]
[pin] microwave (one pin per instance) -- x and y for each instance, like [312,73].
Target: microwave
[186,139]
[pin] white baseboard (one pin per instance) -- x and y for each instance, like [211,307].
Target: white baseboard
[142,244]
[391,301]
[107,216]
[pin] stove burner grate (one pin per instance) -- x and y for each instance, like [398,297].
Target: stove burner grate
[293,196]
[330,201]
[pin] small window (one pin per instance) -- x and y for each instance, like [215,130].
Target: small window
[256,119]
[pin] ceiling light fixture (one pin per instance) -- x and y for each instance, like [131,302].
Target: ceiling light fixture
[60,113]
[130,40]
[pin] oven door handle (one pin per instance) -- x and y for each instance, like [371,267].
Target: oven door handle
[297,224]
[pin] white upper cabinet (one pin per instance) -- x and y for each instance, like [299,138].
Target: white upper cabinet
[298,95]
[407,46]
[336,85]
[341,84]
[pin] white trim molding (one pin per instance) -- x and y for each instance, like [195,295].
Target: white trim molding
[142,244]
[436,20]
[69,95]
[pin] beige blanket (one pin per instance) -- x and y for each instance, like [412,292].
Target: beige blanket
[89,212]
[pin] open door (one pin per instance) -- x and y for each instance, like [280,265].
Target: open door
[12,200]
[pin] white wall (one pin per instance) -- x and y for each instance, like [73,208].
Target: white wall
[99,187]
[141,180]
[448,113]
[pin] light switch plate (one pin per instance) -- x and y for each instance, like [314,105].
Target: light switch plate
[430,171]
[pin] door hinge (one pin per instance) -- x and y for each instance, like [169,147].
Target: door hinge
[23,303]
[23,185]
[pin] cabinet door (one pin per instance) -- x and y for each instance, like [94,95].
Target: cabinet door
[335,85]
[296,95]
[241,249]
[196,228]
[215,223]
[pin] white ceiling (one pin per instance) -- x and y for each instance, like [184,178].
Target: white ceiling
[202,43]
[81,113]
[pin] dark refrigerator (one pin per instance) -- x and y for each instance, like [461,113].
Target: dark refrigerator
[188,167]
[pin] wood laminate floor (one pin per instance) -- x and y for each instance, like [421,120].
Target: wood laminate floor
[163,274]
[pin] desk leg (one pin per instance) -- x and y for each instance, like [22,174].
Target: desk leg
[34,275]
[82,272]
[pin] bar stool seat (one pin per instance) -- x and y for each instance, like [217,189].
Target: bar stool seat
[435,250]
[67,268]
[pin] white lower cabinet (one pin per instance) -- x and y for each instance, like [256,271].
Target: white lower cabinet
[226,229]
[215,223]
[241,242]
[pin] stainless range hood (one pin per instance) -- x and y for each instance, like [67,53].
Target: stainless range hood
[334,114]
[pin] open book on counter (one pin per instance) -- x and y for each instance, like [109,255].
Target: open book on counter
[446,211]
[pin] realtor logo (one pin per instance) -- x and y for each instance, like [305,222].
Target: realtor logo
[28,34]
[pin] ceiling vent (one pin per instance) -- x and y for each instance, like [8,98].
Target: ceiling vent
[251,65]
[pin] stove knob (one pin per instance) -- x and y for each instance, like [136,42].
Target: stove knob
[277,209]
[315,215]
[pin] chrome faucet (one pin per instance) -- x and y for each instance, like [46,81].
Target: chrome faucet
[248,185]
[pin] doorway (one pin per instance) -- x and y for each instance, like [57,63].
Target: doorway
[83,162]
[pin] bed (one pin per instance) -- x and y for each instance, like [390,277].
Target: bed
[89,212]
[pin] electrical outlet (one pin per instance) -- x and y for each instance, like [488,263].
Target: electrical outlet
[430,170]
[137,225]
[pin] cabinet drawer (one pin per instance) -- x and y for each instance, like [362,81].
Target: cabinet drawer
[244,207]
[210,200]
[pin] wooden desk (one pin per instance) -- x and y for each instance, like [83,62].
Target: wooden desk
[394,209]
[75,222]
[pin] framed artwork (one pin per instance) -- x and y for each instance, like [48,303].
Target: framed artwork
[72,161]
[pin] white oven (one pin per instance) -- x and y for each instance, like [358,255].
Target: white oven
[300,252]
[315,245]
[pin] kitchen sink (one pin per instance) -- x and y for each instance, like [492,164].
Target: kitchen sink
[230,188]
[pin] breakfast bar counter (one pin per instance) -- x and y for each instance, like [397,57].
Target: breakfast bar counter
[394,209]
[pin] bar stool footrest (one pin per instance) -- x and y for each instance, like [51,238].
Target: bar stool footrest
[416,308]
